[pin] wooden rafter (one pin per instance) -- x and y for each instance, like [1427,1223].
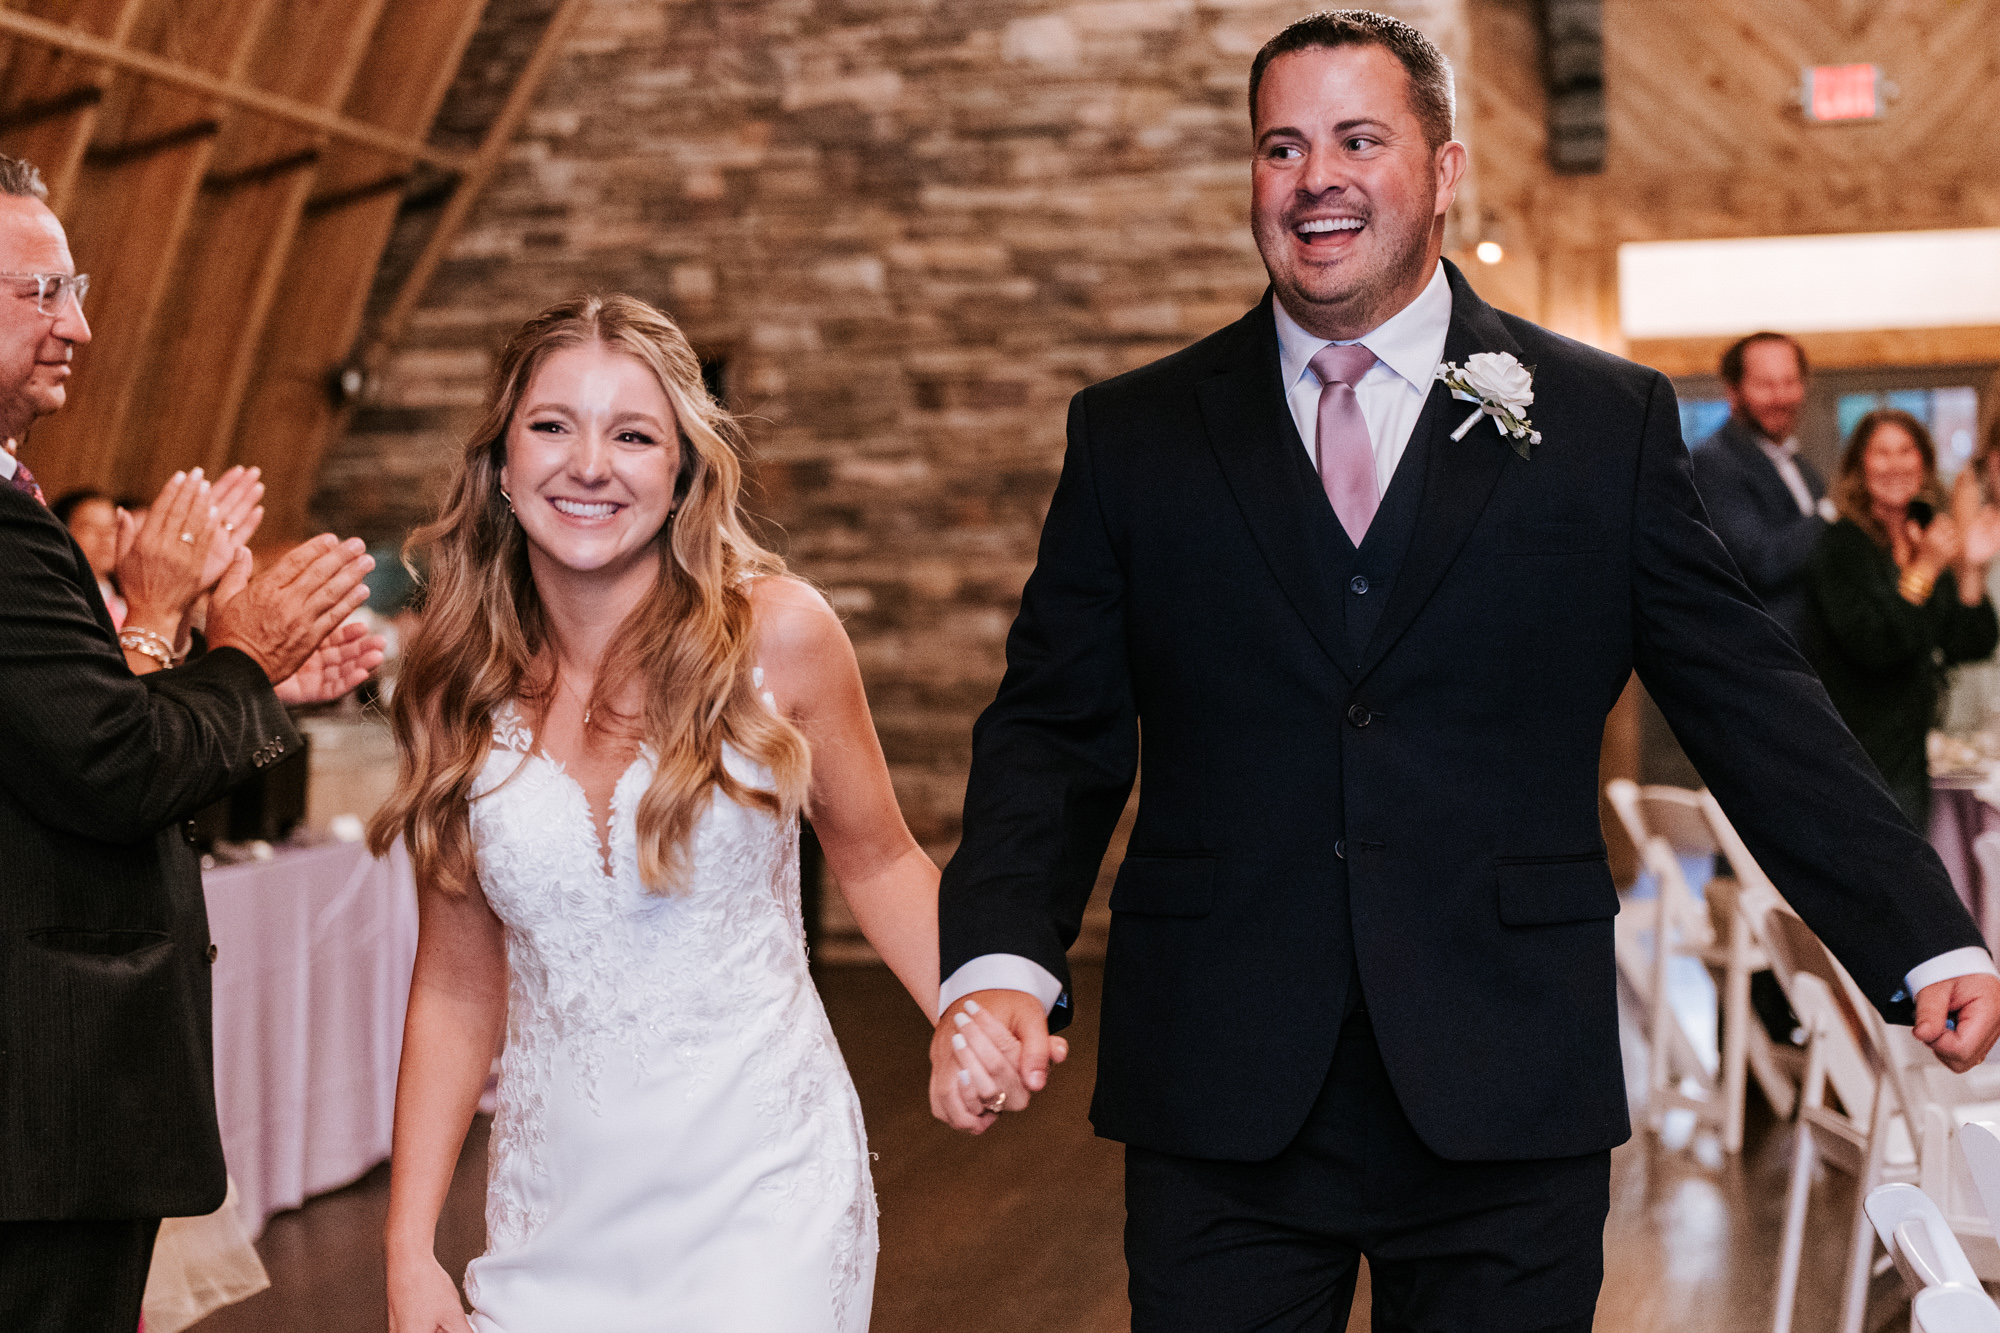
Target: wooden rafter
[40,81]
[287,417]
[233,259]
[128,216]
[473,183]
[235,92]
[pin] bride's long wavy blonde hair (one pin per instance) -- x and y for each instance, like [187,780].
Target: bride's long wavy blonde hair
[689,642]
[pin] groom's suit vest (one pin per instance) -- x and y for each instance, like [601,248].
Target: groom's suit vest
[1363,580]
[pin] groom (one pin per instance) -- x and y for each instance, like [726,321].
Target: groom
[1359,996]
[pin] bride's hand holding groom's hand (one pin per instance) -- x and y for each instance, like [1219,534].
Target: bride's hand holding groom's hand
[991,1052]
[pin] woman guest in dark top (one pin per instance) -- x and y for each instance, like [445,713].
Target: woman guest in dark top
[1897,593]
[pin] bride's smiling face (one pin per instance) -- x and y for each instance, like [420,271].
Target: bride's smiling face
[593,452]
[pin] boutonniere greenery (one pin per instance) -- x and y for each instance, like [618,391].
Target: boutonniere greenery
[1503,388]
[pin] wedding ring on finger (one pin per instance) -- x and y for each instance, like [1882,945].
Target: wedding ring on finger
[188,537]
[995,1106]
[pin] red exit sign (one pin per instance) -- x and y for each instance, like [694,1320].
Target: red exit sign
[1842,92]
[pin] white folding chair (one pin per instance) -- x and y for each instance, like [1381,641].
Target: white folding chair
[1946,1296]
[1979,1140]
[1666,824]
[1746,894]
[1894,1116]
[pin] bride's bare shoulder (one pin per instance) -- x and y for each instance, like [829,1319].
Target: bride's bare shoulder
[795,626]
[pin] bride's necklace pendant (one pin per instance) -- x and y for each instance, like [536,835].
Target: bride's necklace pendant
[563,681]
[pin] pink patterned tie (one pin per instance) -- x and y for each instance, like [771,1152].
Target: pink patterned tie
[24,481]
[1343,452]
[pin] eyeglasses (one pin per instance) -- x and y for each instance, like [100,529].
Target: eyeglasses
[52,288]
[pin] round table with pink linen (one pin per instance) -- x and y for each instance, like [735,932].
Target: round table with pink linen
[313,951]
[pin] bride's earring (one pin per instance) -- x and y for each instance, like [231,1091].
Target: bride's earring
[508,498]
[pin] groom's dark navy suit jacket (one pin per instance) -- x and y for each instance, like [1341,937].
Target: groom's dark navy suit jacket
[1389,796]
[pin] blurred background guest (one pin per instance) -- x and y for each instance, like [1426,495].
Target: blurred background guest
[1896,593]
[1977,485]
[92,519]
[1763,500]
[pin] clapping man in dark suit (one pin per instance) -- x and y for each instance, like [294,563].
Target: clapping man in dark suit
[1359,996]
[1766,502]
[107,1095]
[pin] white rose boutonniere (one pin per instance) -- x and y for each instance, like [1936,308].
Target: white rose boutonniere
[1504,390]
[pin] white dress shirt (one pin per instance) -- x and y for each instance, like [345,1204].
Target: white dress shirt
[8,465]
[1785,458]
[1408,347]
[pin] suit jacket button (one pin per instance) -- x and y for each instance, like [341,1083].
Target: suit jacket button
[1358,584]
[1340,849]
[1359,716]
[188,833]
[212,951]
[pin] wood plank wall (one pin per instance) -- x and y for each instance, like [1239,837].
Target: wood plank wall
[231,253]
[1705,141]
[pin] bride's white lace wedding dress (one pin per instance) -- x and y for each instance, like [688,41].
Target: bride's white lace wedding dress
[678,1146]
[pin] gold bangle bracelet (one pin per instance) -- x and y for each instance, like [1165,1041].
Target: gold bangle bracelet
[148,644]
[1915,587]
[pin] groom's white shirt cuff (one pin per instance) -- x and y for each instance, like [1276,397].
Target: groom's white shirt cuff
[1971,961]
[1007,971]
[1000,971]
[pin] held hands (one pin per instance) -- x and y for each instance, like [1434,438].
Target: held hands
[1974,1001]
[991,1052]
[282,618]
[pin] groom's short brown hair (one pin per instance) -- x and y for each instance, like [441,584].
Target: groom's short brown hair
[1431,95]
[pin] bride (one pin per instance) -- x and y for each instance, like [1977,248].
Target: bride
[614,713]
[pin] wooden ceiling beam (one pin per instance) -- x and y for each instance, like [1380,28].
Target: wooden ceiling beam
[129,217]
[54,97]
[227,276]
[232,91]
[289,415]
[24,114]
[132,150]
[222,182]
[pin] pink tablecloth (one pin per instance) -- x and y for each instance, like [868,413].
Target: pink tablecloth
[312,970]
[1958,821]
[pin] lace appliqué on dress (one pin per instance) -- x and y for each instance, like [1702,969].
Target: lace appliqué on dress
[612,977]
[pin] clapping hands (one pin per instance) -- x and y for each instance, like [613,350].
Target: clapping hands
[186,543]
[342,661]
[1981,538]
[990,1053]
[288,619]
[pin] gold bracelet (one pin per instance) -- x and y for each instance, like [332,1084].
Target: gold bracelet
[148,644]
[1915,588]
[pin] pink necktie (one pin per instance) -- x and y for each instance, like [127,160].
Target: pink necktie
[1343,452]
[24,482]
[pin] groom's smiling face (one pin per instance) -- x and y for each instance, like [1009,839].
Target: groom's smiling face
[1347,193]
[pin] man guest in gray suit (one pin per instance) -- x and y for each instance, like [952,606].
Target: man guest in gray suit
[107,1086]
[1763,500]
